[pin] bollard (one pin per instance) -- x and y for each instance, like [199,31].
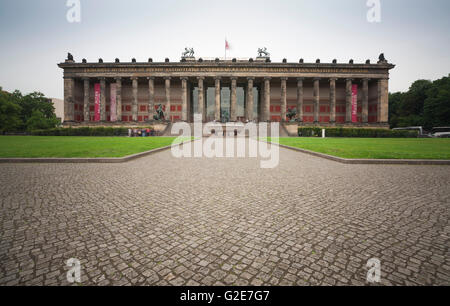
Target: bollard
[323,133]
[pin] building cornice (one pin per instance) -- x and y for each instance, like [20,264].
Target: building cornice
[226,69]
[225,64]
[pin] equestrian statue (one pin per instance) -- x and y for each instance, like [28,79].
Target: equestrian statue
[188,52]
[262,52]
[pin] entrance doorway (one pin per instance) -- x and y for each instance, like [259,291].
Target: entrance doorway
[225,102]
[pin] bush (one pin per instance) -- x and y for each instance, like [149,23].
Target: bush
[83,131]
[355,132]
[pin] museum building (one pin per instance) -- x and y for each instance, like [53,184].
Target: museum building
[226,90]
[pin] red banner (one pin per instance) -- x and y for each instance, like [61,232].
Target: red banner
[354,103]
[113,112]
[97,101]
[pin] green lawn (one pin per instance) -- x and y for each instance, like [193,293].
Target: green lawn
[374,148]
[68,146]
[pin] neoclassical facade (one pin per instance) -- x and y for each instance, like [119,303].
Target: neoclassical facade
[325,94]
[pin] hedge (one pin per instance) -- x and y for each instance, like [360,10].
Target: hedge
[84,131]
[355,132]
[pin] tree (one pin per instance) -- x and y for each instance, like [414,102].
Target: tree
[20,113]
[395,101]
[425,104]
[38,121]
[437,104]
[9,113]
[32,102]
[410,108]
[413,100]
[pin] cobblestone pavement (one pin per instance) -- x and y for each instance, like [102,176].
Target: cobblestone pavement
[160,220]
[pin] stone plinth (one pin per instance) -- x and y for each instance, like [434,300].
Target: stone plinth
[262,58]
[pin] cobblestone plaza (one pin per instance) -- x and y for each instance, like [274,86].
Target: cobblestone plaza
[160,220]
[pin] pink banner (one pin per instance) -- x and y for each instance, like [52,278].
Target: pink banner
[113,112]
[354,103]
[97,101]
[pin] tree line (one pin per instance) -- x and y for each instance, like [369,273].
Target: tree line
[426,103]
[19,113]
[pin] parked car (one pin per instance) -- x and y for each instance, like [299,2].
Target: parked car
[440,132]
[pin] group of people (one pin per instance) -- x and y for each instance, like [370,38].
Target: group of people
[140,132]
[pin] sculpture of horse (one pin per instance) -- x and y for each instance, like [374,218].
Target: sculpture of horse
[188,52]
[262,52]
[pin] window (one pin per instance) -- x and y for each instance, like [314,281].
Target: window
[324,119]
[275,118]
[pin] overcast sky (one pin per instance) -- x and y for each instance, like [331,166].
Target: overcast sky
[36,35]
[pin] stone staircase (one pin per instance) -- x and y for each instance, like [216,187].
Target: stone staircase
[284,130]
[289,130]
[167,130]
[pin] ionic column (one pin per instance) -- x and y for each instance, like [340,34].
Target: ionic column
[184,99]
[365,101]
[383,101]
[262,99]
[283,99]
[245,103]
[119,98]
[189,103]
[316,99]
[134,105]
[86,100]
[151,97]
[348,100]
[233,114]
[266,111]
[217,109]
[249,109]
[167,85]
[332,100]
[300,99]
[102,99]
[69,107]
[201,98]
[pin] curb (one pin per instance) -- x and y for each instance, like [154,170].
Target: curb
[100,160]
[369,161]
